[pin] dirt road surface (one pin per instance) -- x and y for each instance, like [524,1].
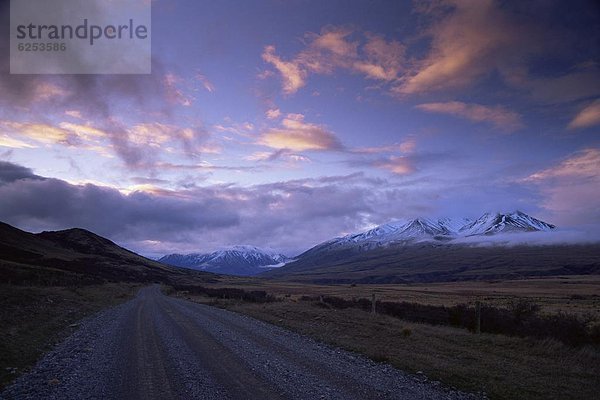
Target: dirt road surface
[159,347]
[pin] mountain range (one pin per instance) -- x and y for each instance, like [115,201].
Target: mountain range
[440,230]
[236,260]
[428,250]
[250,260]
[419,250]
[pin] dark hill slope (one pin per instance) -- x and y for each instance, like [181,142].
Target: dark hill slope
[436,263]
[76,256]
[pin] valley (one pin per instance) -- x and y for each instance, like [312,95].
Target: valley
[53,282]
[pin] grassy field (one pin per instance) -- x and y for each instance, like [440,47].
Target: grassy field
[571,294]
[501,366]
[34,319]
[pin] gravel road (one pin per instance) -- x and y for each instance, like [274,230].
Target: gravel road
[159,347]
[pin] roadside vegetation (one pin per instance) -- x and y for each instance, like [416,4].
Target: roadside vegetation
[34,318]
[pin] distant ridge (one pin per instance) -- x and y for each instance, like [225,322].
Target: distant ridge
[235,260]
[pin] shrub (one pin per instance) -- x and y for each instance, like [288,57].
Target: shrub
[254,296]
[520,318]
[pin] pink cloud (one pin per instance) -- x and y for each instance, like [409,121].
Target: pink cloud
[383,60]
[292,75]
[588,116]
[173,92]
[397,165]
[570,188]
[407,146]
[496,115]
[273,113]
[375,58]
[466,43]
[46,91]
[205,82]
[297,135]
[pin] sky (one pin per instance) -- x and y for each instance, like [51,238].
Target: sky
[282,124]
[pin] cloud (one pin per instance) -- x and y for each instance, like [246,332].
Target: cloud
[398,158]
[465,44]
[297,135]
[174,93]
[557,236]
[498,116]
[292,75]
[10,172]
[570,188]
[289,216]
[6,141]
[273,113]
[100,102]
[589,116]
[37,132]
[283,154]
[139,145]
[584,164]
[199,218]
[86,131]
[373,57]
[328,50]
[406,146]
[30,201]
[397,165]
[473,40]
[383,60]
[582,83]
[205,82]
[46,91]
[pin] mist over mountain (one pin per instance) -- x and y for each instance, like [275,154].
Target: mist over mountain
[445,230]
[493,246]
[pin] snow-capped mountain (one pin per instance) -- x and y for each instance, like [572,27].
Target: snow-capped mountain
[441,230]
[235,260]
[518,221]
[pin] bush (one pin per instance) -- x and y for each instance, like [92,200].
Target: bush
[254,296]
[520,318]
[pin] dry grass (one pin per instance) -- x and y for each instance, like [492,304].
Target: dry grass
[503,367]
[34,319]
[571,294]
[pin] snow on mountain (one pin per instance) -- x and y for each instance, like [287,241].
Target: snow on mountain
[517,221]
[445,229]
[234,260]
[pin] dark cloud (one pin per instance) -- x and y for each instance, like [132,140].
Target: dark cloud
[285,215]
[39,204]
[93,94]
[288,216]
[10,172]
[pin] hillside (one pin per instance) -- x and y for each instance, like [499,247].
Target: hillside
[75,256]
[430,262]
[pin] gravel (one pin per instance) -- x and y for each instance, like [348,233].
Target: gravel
[160,347]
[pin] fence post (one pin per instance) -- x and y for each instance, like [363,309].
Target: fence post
[373,300]
[477,317]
